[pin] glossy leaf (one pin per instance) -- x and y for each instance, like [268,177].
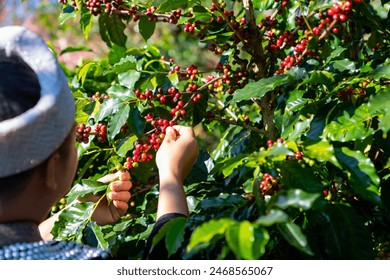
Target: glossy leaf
[382,71]
[108,108]
[274,216]
[146,27]
[73,221]
[362,174]
[380,106]
[118,120]
[86,24]
[344,65]
[125,145]
[259,88]
[293,198]
[175,235]
[102,243]
[221,202]
[86,187]
[247,241]
[350,128]
[294,235]
[125,64]
[201,169]
[322,151]
[112,30]
[208,232]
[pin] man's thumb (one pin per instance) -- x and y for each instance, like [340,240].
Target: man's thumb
[170,134]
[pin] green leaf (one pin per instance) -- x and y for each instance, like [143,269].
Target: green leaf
[335,54]
[294,235]
[86,187]
[129,78]
[200,109]
[136,121]
[293,198]
[274,216]
[201,169]
[279,152]
[108,108]
[73,221]
[380,106]
[86,23]
[125,64]
[321,151]
[81,116]
[82,74]
[209,232]
[125,145]
[246,241]
[344,65]
[345,234]
[222,201]
[173,78]
[228,165]
[146,28]
[350,128]
[259,88]
[111,30]
[170,5]
[382,70]
[75,49]
[175,234]
[295,176]
[68,12]
[362,173]
[120,93]
[102,243]
[320,78]
[118,120]
[86,165]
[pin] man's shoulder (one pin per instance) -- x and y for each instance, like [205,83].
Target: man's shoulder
[52,250]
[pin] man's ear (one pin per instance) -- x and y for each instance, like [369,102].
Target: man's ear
[50,171]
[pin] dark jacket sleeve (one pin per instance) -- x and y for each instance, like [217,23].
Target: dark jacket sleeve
[159,252]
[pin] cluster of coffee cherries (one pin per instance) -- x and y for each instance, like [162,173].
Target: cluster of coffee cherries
[339,12]
[330,21]
[96,7]
[143,149]
[99,97]
[269,185]
[83,132]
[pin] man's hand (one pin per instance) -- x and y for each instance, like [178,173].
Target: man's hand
[107,213]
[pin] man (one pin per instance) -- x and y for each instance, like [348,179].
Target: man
[38,158]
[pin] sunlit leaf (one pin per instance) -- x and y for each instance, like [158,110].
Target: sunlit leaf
[209,232]
[247,241]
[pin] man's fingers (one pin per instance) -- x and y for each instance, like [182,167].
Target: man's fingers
[118,186]
[121,206]
[121,175]
[108,178]
[124,175]
[120,196]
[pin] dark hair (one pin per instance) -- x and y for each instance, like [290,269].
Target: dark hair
[19,91]
[19,86]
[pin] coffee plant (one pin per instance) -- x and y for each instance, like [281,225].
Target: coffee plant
[292,111]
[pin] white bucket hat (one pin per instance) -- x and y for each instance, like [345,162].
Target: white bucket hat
[30,138]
